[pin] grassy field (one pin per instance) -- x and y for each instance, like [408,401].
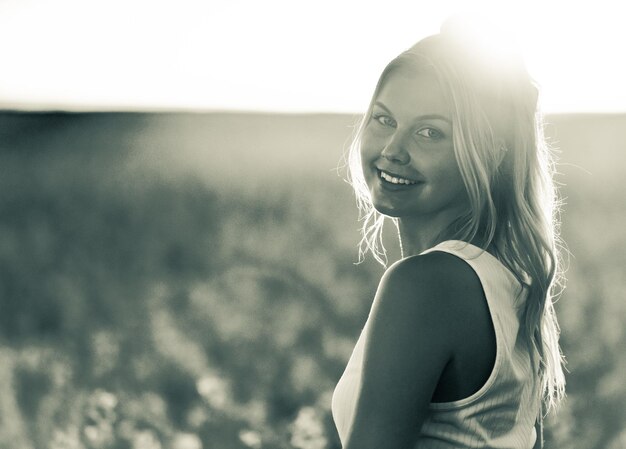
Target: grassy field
[188,280]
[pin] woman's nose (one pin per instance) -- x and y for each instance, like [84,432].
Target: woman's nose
[395,150]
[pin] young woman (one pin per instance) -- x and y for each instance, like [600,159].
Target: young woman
[460,349]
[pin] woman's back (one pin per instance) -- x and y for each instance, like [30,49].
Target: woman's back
[502,412]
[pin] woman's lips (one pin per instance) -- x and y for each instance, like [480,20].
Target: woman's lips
[394,178]
[395,182]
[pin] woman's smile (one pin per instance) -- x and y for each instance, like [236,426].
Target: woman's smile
[396,183]
[395,179]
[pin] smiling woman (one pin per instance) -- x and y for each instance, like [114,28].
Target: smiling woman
[460,348]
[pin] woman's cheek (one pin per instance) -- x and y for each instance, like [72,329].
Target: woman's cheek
[369,145]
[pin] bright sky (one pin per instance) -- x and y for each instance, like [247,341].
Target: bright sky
[271,55]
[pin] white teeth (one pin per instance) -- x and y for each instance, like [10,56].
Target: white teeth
[394,180]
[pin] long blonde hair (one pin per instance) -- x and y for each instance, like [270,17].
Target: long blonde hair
[507,169]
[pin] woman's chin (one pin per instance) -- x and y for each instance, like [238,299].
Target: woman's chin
[387,210]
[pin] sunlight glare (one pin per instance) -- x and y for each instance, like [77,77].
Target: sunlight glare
[281,55]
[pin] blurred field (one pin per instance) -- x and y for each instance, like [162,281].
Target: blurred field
[188,281]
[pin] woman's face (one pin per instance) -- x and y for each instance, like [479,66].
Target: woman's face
[407,152]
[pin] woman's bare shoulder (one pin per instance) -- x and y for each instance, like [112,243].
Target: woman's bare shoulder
[436,287]
[438,277]
[430,295]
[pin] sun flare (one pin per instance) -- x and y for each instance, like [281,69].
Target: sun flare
[281,56]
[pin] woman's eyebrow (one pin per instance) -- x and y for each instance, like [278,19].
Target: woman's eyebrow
[421,117]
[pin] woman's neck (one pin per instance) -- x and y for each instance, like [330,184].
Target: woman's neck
[417,235]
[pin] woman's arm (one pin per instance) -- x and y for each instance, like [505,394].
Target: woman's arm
[409,341]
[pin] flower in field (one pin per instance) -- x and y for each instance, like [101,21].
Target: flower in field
[307,431]
[186,441]
[100,417]
[105,399]
[66,439]
[250,438]
[214,390]
[145,439]
[101,407]
[98,435]
[196,416]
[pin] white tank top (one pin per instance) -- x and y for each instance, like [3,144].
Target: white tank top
[502,413]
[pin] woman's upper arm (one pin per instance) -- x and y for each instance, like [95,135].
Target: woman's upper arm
[407,345]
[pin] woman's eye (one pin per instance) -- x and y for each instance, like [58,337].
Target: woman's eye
[385,120]
[430,133]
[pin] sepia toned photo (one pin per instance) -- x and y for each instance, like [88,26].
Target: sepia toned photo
[312,225]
